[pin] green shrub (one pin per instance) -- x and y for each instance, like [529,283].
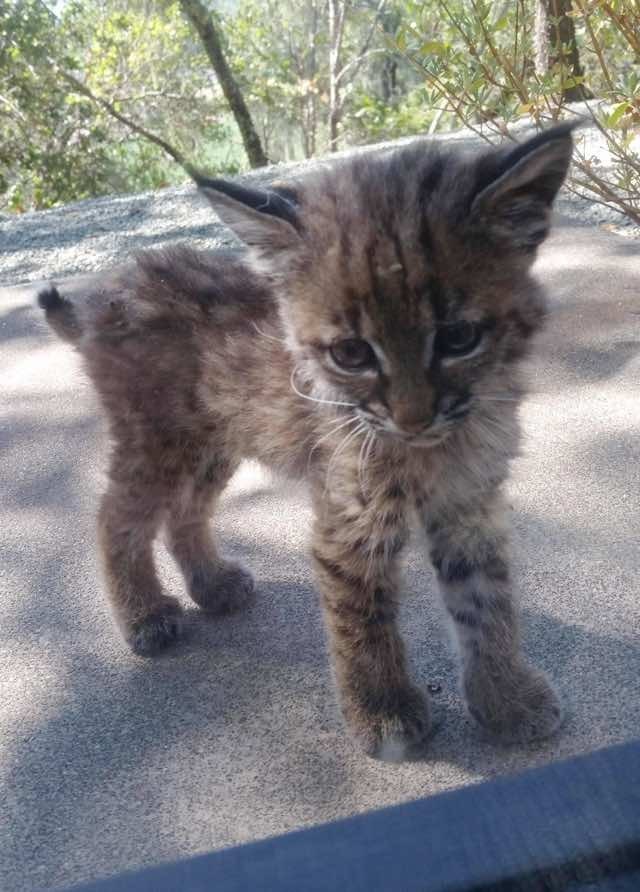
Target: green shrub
[486,66]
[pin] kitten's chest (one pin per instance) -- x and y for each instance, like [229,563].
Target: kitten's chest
[380,487]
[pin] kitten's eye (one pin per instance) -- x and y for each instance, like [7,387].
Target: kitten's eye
[352,354]
[458,338]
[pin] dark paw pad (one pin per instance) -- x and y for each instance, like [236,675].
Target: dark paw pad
[156,632]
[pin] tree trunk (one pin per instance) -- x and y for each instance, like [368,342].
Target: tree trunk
[389,21]
[554,28]
[203,22]
[312,75]
[541,38]
[388,81]
[336,9]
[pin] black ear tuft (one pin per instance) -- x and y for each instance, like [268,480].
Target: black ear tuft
[278,201]
[516,187]
[265,219]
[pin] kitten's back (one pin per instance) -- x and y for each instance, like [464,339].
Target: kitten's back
[176,289]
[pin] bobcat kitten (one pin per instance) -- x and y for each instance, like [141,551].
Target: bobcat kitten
[369,341]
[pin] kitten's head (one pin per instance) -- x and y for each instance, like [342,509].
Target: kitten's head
[403,277]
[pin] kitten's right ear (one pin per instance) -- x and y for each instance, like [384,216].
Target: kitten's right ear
[517,188]
[265,219]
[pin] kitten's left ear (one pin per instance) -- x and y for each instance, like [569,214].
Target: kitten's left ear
[266,219]
[514,206]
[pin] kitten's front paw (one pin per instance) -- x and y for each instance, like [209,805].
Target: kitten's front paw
[221,588]
[156,631]
[396,733]
[519,706]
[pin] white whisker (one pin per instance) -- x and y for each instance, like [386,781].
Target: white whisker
[314,399]
[361,464]
[372,443]
[363,461]
[340,422]
[268,336]
[340,448]
[496,399]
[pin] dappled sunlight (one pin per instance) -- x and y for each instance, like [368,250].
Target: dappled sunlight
[33,689]
[111,761]
[555,258]
[607,407]
[29,523]
[50,369]
[251,477]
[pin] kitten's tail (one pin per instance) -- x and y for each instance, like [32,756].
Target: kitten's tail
[61,314]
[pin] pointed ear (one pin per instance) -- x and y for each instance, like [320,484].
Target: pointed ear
[514,205]
[266,219]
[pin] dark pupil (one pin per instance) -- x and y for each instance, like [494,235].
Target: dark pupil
[352,353]
[459,337]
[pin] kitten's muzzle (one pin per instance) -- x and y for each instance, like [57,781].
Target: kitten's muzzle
[430,427]
[453,407]
[451,410]
[419,430]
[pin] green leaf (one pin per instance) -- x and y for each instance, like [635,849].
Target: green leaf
[433,48]
[618,113]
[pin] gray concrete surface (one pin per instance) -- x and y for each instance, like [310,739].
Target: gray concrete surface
[109,762]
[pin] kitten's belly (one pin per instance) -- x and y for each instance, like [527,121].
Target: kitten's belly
[290,463]
[283,447]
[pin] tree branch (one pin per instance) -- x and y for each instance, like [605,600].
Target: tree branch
[81,88]
[357,62]
[203,23]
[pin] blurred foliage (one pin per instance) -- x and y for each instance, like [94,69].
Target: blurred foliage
[478,61]
[57,145]
[403,67]
[278,51]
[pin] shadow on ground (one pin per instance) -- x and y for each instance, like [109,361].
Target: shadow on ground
[110,762]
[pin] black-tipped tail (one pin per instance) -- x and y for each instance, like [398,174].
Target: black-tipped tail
[61,314]
[49,298]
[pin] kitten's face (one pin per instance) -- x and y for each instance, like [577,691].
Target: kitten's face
[406,294]
[409,369]
[415,338]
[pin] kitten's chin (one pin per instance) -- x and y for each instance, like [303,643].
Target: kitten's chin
[427,442]
[421,442]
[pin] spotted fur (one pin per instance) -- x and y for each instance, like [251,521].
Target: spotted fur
[201,360]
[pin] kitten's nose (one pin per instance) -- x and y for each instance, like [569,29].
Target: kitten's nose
[411,420]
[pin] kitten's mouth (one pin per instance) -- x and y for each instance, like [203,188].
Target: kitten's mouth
[423,440]
[428,438]
[426,441]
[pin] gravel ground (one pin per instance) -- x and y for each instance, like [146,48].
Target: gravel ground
[95,234]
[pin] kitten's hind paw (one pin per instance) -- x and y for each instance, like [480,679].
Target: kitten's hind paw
[398,734]
[221,588]
[158,630]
